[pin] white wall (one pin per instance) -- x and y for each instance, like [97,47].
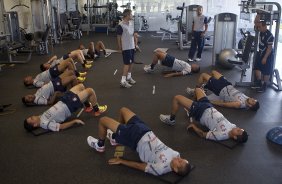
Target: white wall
[24,14]
[155,10]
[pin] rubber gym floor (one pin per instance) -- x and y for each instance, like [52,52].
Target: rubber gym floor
[65,157]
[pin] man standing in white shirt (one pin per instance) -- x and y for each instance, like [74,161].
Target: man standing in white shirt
[199,28]
[126,45]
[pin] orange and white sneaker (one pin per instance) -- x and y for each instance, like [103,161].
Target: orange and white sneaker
[102,109]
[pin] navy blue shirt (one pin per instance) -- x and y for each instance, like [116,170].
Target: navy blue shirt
[266,39]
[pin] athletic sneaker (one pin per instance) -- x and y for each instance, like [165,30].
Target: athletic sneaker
[190,91]
[107,54]
[88,62]
[93,143]
[102,109]
[87,66]
[256,85]
[190,60]
[198,59]
[81,79]
[148,69]
[262,88]
[125,84]
[166,119]
[131,81]
[82,74]
[109,136]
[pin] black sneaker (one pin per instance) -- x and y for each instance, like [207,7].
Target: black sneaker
[256,85]
[262,88]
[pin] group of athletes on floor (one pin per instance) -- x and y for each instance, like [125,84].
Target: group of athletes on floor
[61,86]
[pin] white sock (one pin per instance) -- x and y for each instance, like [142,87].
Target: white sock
[128,75]
[123,79]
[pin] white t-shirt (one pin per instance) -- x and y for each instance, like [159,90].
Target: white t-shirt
[42,78]
[231,94]
[85,52]
[43,94]
[156,154]
[218,125]
[127,36]
[56,61]
[199,22]
[55,115]
[179,65]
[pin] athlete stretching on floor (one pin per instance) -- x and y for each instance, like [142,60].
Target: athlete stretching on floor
[53,72]
[54,118]
[49,93]
[203,112]
[94,50]
[76,55]
[179,67]
[225,94]
[131,131]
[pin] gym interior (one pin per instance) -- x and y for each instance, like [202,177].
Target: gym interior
[32,31]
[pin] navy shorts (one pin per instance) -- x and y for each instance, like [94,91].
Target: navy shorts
[168,61]
[58,86]
[128,56]
[91,55]
[72,101]
[216,85]
[54,71]
[98,53]
[198,108]
[267,68]
[66,56]
[129,134]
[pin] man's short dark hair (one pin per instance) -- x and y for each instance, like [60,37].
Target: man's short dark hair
[242,138]
[255,107]
[196,71]
[185,170]
[26,84]
[23,100]
[28,104]
[126,12]
[42,67]
[28,127]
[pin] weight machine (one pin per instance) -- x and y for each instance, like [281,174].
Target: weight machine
[98,15]
[140,23]
[271,17]
[43,25]
[185,30]
[11,43]
[66,20]
[225,26]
